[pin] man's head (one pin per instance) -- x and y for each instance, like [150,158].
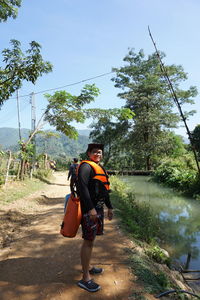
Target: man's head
[75,160]
[95,152]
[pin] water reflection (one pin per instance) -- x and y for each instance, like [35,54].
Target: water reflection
[179,218]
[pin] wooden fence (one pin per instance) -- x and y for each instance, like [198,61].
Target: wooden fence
[130,172]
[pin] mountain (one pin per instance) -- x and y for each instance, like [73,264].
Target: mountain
[10,136]
[55,147]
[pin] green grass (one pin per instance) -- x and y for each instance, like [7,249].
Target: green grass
[17,190]
[154,281]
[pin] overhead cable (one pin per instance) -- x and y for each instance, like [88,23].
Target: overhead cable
[64,86]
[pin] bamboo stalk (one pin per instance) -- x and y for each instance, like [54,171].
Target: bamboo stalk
[175,98]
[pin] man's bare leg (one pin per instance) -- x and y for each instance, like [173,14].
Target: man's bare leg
[86,252]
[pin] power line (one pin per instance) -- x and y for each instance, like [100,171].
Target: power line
[67,85]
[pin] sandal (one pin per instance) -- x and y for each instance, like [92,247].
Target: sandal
[89,286]
[95,270]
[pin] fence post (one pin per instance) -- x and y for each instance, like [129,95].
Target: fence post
[8,166]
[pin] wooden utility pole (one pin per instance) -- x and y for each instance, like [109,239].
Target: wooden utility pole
[175,98]
[18,114]
[33,127]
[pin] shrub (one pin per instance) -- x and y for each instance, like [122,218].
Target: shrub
[43,174]
[179,174]
[157,254]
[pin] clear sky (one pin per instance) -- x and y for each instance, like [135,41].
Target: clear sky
[85,38]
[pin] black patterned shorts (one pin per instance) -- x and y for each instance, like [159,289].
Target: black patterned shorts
[92,228]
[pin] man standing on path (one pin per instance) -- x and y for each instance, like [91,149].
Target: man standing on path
[72,174]
[93,189]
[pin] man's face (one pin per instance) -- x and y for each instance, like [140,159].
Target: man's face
[95,155]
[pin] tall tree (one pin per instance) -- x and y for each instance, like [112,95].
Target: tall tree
[113,136]
[63,108]
[146,93]
[18,66]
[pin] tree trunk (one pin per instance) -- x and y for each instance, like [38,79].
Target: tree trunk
[45,161]
[18,171]
[148,163]
[22,169]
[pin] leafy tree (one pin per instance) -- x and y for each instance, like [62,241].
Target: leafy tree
[112,135]
[9,9]
[19,67]
[173,145]
[63,108]
[146,93]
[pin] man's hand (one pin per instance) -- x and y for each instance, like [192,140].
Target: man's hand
[110,214]
[93,214]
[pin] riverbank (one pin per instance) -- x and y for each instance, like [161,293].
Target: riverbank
[151,263]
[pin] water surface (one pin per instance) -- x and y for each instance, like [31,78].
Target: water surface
[179,215]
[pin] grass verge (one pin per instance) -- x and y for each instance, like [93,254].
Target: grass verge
[17,190]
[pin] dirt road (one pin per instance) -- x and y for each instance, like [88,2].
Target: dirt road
[41,264]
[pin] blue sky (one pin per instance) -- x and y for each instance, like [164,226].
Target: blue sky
[86,38]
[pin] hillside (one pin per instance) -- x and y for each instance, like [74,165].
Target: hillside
[61,146]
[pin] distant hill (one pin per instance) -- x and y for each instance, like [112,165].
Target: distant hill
[55,147]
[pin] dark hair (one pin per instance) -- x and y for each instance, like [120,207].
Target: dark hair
[75,160]
[94,146]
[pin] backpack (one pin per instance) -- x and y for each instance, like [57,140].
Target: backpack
[74,170]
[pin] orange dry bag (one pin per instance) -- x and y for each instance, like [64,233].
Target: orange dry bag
[72,217]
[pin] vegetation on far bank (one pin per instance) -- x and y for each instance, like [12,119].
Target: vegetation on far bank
[179,173]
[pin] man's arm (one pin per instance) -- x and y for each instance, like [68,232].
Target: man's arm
[110,208]
[69,173]
[84,176]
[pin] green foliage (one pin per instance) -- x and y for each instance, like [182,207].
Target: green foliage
[196,139]
[153,280]
[19,67]
[179,173]
[112,135]
[9,9]
[138,218]
[146,93]
[43,174]
[157,254]
[62,164]
[63,108]
[27,152]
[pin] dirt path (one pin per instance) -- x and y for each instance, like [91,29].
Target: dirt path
[42,264]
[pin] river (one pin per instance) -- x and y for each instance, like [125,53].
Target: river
[179,215]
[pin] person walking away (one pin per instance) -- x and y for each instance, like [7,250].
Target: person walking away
[93,189]
[72,174]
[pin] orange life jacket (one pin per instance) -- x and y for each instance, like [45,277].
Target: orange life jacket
[100,173]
